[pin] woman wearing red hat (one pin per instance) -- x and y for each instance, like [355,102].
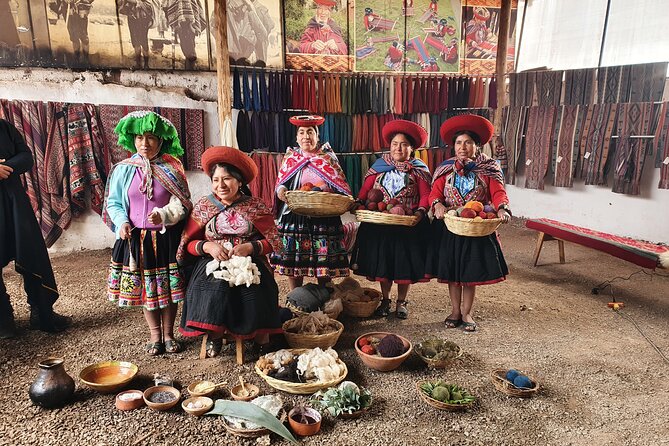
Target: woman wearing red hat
[313,246]
[229,216]
[465,262]
[397,254]
[322,35]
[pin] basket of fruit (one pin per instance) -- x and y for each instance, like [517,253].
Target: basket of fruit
[438,353]
[472,220]
[514,383]
[309,200]
[377,211]
[382,351]
[444,396]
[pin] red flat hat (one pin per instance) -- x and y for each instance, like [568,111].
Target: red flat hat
[306,120]
[232,156]
[325,2]
[414,131]
[473,123]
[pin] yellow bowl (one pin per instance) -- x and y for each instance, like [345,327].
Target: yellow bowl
[206,403]
[161,406]
[108,376]
[193,392]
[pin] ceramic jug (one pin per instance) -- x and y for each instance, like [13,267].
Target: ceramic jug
[53,387]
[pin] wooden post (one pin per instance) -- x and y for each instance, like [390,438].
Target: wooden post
[502,46]
[222,65]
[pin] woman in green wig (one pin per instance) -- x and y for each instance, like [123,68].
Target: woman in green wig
[146,202]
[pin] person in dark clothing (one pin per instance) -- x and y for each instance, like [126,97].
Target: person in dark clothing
[186,18]
[141,16]
[22,242]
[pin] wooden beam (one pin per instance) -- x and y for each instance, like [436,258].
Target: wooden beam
[222,64]
[502,47]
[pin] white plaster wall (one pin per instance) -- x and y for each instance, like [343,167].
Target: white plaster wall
[645,216]
[154,89]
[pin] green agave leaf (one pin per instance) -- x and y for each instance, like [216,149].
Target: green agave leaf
[251,412]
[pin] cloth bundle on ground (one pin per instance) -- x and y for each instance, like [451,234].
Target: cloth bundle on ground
[350,290]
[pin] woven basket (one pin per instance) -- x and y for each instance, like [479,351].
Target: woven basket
[301,388]
[362,309]
[318,204]
[498,377]
[299,340]
[356,414]
[380,218]
[439,404]
[252,433]
[438,363]
[469,227]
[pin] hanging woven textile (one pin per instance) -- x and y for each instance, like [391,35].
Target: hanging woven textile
[513,128]
[634,119]
[595,141]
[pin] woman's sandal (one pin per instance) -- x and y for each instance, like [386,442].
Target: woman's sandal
[469,326]
[384,308]
[452,323]
[401,312]
[173,346]
[155,348]
[214,347]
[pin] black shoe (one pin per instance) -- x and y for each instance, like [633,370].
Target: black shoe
[384,309]
[53,323]
[7,327]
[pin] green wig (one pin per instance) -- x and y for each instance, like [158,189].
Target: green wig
[142,121]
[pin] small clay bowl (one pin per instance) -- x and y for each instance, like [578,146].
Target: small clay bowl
[205,402]
[304,429]
[193,392]
[236,392]
[129,400]
[161,406]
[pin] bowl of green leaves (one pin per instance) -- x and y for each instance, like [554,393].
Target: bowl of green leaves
[346,400]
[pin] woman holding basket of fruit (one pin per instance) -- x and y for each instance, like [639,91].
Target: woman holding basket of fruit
[474,184]
[313,246]
[397,183]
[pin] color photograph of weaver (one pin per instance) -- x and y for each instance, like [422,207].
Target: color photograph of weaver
[407,35]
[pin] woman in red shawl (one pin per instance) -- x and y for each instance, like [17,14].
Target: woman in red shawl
[388,253]
[313,246]
[465,262]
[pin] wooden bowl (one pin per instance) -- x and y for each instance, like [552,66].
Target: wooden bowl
[304,429]
[236,392]
[205,402]
[161,406]
[108,376]
[129,400]
[378,362]
[193,392]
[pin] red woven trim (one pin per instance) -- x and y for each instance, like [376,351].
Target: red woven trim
[220,329]
[399,282]
[489,282]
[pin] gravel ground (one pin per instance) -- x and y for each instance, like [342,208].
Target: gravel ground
[602,382]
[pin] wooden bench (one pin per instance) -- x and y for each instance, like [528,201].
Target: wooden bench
[645,254]
[239,348]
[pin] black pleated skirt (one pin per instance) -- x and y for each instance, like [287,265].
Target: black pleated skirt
[211,305]
[466,261]
[391,252]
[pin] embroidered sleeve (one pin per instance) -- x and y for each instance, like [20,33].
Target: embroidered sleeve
[261,217]
[497,193]
[437,192]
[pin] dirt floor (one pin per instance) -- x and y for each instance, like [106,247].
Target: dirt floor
[602,381]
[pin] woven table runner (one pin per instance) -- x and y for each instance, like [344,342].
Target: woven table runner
[633,119]
[595,140]
[538,144]
[513,128]
[566,144]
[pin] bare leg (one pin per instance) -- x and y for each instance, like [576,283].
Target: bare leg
[455,293]
[153,320]
[468,293]
[401,307]
[168,315]
[294,282]
[386,285]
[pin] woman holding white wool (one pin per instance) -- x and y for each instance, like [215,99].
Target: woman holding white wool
[224,229]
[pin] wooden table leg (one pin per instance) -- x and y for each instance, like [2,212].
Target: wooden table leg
[239,347]
[561,248]
[537,249]
[203,347]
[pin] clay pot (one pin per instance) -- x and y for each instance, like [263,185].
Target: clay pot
[299,414]
[53,387]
